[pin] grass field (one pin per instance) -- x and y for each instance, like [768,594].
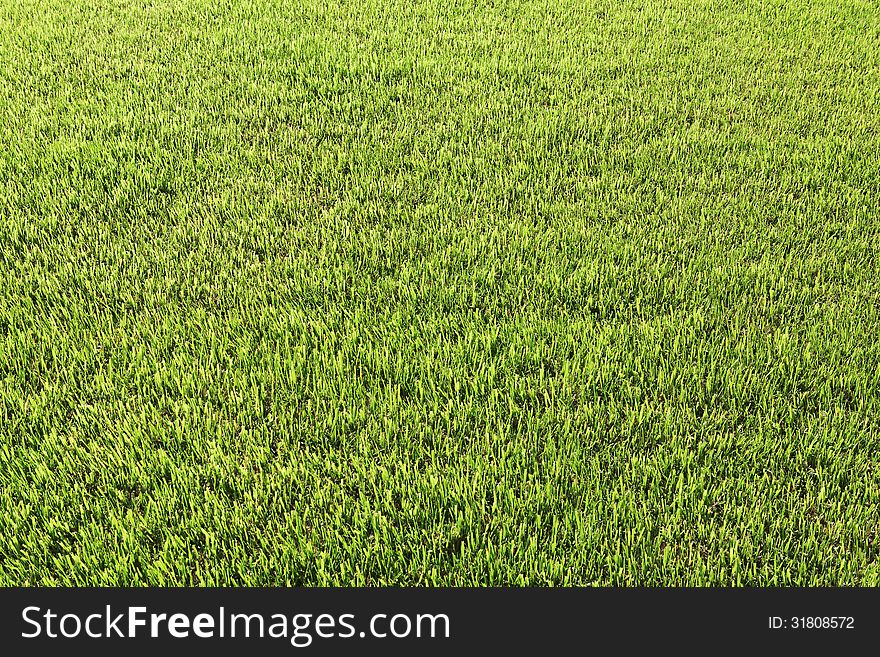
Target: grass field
[439,292]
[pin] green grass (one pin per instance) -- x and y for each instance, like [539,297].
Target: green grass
[439,292]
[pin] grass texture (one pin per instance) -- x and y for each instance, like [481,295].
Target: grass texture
[439,292]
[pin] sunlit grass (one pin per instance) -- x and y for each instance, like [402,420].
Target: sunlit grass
[439,292]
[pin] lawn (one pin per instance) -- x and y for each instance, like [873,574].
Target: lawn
[439,292]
